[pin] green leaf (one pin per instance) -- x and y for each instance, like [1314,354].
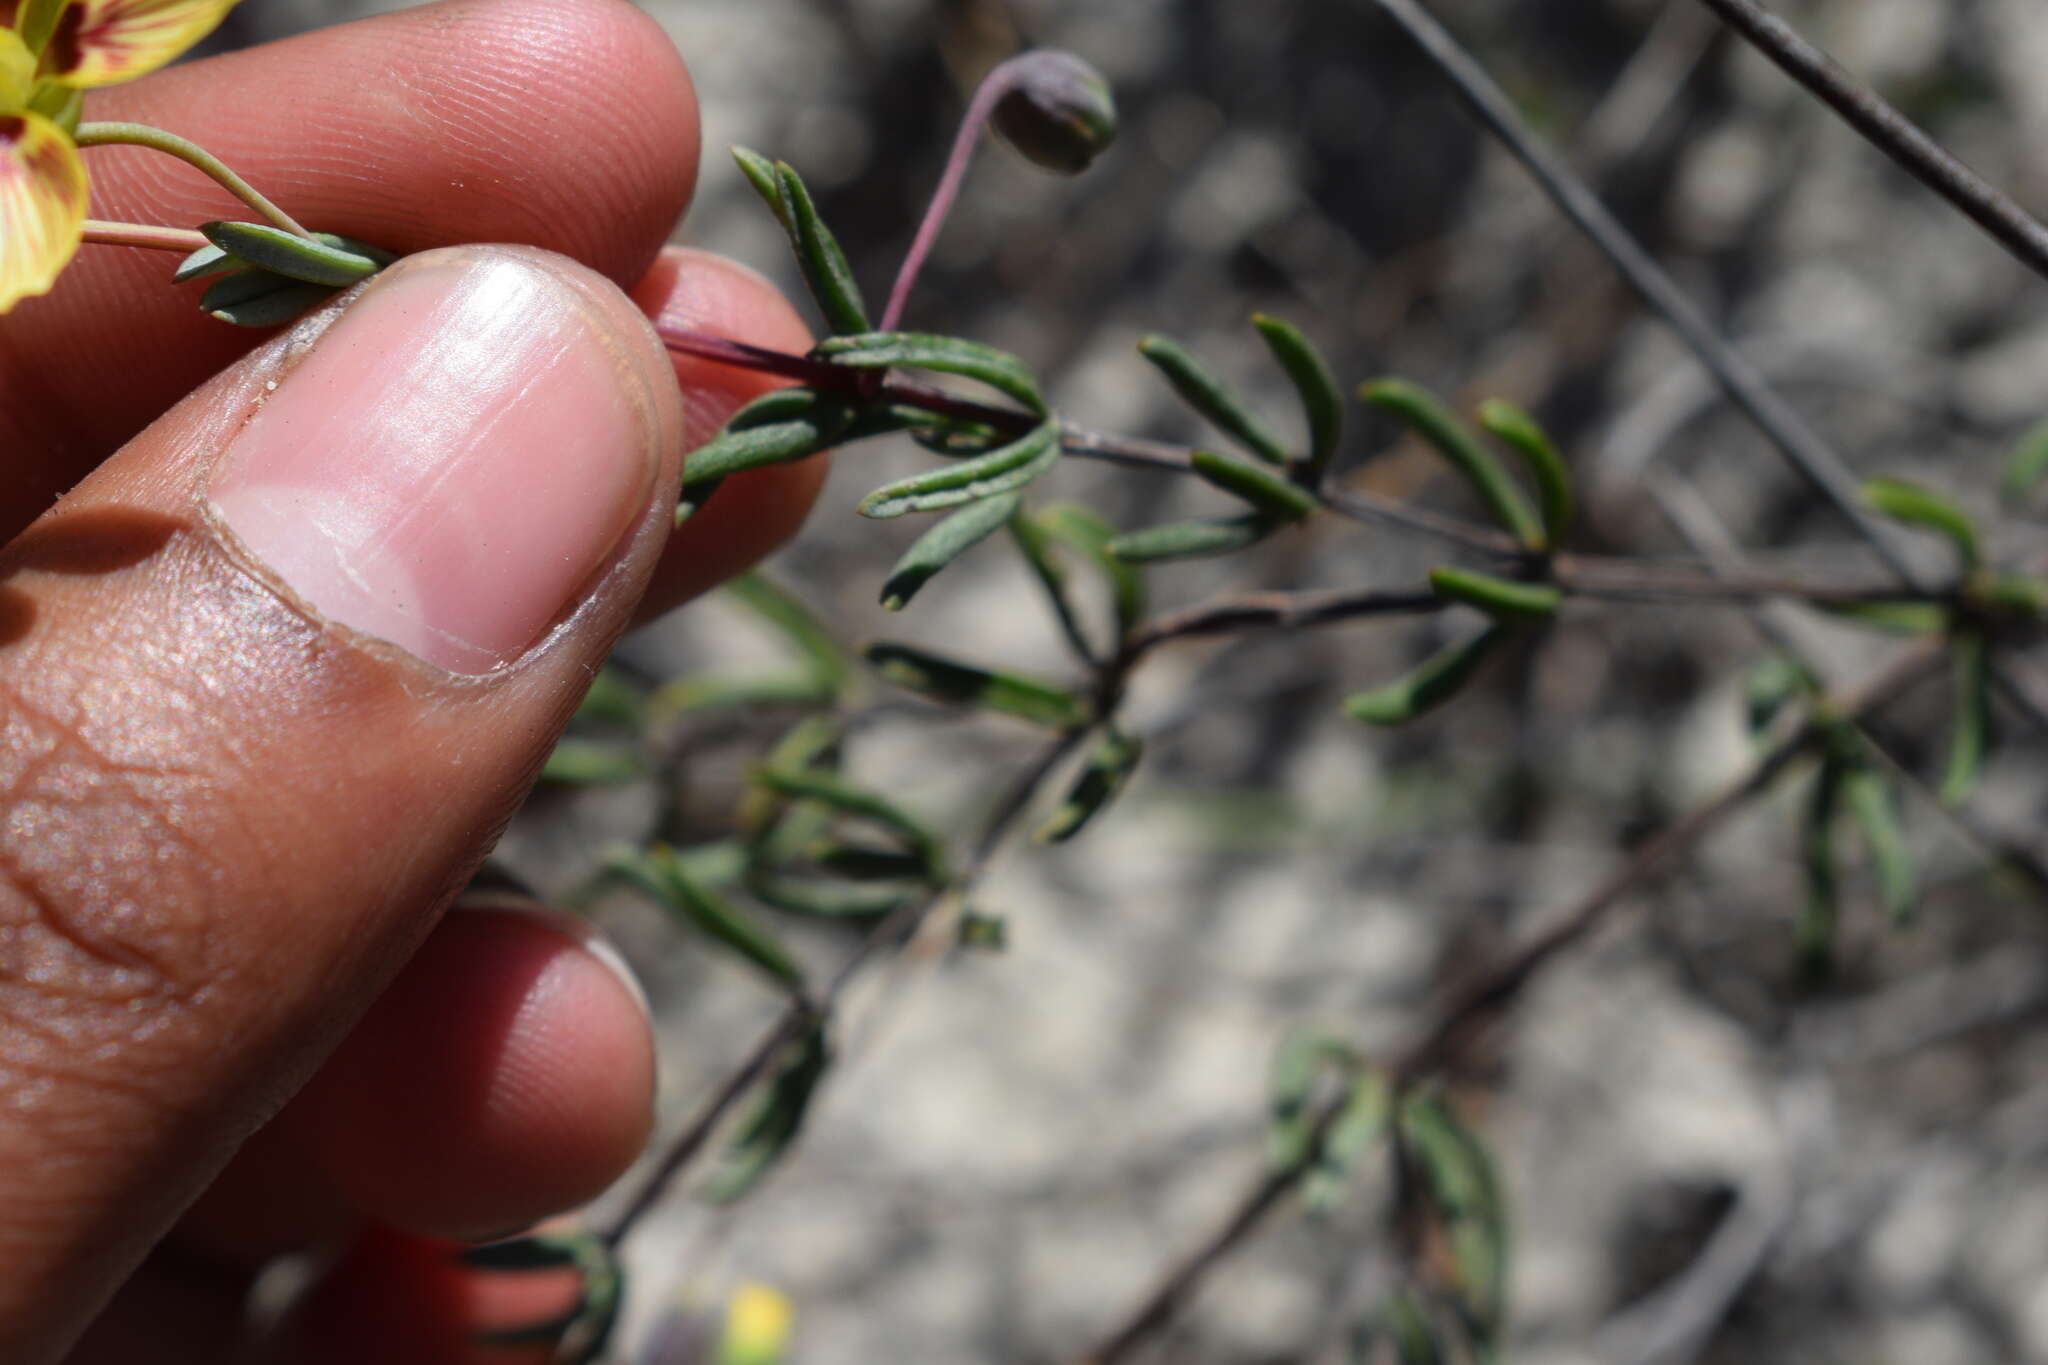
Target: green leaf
[1109,766]
[1269,493]
[1003,470]
[1970,737]
[321,259]
[1500,598]
[818,251]
[760,173]
[587,763]
[989,933]
[819,898]
[2025,467]
[1214,399]
[776,1120]
[540,1251]
[1518,430]
[665,878]
[1086,531]
[801,626]
[848,799]
[257,298]
[787,424]
[1041,703]
[1816,929]
[1191,539]
[1321,401]
[1358,1128]
[1438,680]
[944,543]
[208,260]
[1301,1061]
[1911,503]
[1869,798]
[1037,547]
[946,355]
[1775,682]
[1458,1175]
[1893,618]
[1422,412]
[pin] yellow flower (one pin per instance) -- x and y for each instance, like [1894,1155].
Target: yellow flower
[51,52]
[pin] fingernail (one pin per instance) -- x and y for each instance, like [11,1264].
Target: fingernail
[453,460]
[581,932]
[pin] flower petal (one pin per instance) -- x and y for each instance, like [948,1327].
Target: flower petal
[42,205]
[105,42]
[17,71]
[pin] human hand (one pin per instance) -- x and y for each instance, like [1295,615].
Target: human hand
[276,671]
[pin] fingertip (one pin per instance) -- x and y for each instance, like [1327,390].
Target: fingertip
[754,513]
[507,1075]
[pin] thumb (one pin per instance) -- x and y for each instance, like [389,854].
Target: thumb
[271,680]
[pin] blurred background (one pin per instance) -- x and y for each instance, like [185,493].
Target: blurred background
[1710,1157]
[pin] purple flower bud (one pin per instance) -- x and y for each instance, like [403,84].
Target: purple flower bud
[1058,112]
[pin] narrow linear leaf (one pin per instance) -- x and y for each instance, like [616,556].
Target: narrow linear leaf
[989,933]
[819,898]
[1869,798]
[321,259]
[1359,1126]
[1893,618]
[1970,737]
[1459,1176]
[787,424]
[541,1251]
[1000,370]
[801,626]
[1816,928]
[1041,703]
[1109,766]
[1212,398]
[1500,598]
[1519,430]
[760,173]
[818,251]
[943,544]
[775,1121]
[1440,678]
[2025,467]
[1191,539]
[1425,414]
[1037,545]
[1003,470]
[811,742]
[693,497]
[1085,530]
[866,863]
[1915,505]
[1322,403]
[2016,595]
[1267,492]
[590,763]
[848,799]
[257,298]
[208,260]
[1301,1060]
[611,700]
[666,879]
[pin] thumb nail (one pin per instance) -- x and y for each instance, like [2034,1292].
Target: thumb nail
[454,458]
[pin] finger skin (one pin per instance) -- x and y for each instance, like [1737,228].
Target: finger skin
[754,512]
[507,1075]
[565,124]
[225,822]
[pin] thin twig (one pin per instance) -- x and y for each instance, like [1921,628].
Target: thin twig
[100,232]
[193,155]
[1277,611]
[1891,132]
[1439,1042]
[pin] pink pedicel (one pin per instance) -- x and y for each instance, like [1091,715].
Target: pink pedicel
[451,463]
